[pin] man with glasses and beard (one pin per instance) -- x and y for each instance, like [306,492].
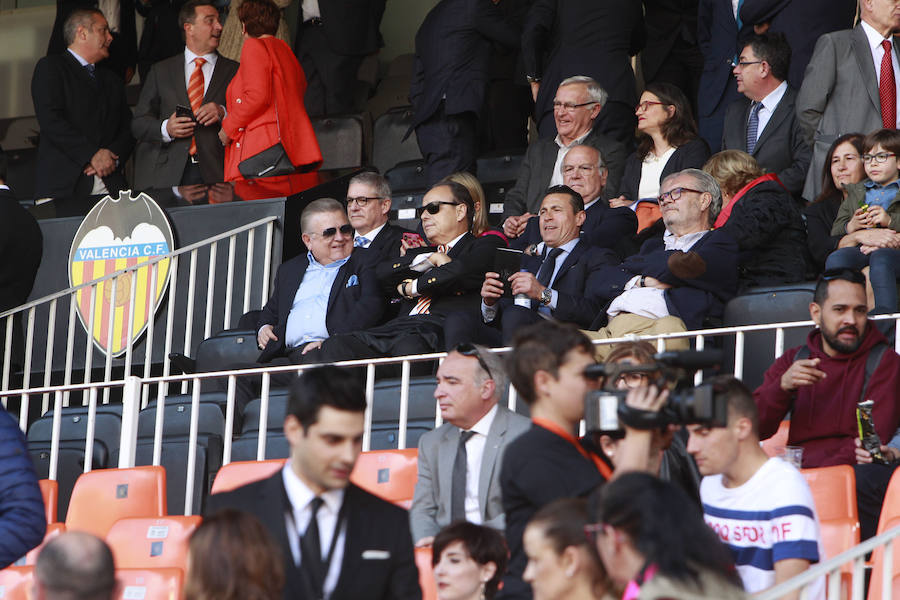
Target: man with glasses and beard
[846,360]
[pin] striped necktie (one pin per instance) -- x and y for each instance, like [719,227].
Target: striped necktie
[195,94]
[423,306]
[753,127]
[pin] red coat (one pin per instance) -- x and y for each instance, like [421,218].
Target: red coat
[269,76]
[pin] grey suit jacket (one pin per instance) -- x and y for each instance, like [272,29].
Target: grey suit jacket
[537,169]
[781,148]
[430,509]
[158,164]
[839,95]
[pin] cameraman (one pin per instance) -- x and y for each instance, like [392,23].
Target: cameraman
[548,461]
[761,507]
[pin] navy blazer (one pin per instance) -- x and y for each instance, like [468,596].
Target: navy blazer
[354,301]
[378,562]
[386,244]
[703,279]
[603,227]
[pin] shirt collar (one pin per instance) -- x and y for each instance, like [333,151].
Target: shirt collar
[80,60]
[371,234]
[591,203]
[874,37]
[3,186]
[566,248]
[673,242]
[575,142]
[313,263]
[483,426]
[190,56]
[771,101]
[300,495]
[871,185]
[455,240]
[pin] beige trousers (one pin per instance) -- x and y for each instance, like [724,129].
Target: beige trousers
[628,323]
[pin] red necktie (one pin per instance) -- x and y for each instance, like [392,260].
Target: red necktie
[195,93]
[887,89]
[423,306]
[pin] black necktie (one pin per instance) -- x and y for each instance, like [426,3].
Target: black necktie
[458,479]
[545,273]
[311,549]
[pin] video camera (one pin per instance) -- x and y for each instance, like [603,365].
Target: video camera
[606,411]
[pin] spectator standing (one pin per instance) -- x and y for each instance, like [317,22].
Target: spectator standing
[75,566]
[672,55]
[161,36]
[233,38]
[469,561]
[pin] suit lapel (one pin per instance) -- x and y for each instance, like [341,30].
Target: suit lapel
[489,458]
[446,458]
[461,245]
[217,79]
[782,111]
[177,82]
[289,289]
[353,543]
[570,261]
[339,282]
[863,54]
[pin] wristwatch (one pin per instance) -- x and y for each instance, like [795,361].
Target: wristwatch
[546,296]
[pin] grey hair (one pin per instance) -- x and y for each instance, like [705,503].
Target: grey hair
[318,207]
[705,183]
[498,371]
[376,181]
[83,17]
[600,164]
[594,90]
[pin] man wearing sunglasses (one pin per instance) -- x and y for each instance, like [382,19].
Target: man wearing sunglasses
[368,207]
[427,283]
[459,462]
[845,360]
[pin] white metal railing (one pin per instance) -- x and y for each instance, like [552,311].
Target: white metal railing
[254,280]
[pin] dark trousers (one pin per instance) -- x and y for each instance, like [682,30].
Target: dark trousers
[712,125]
[449,143]
[330,77]
[466,327]
[681,67]
[871,485]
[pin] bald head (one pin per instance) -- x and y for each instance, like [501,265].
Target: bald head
[75,566]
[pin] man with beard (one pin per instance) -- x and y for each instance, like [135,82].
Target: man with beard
[845,361]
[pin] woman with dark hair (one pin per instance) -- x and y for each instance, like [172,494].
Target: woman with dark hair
[265,101]
[562,565]
[843,166]
[655,544]
[762,217]
[231,556]
[469,560]
[667,143]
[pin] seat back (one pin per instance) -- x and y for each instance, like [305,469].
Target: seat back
[53,530]
[173,459]
[101,498]
[875,583]
[775,444]
[389,474]
[142,543]
[50,493]
[890,506]
[177,420]
[235,474]
[388,146]
[403,209]
[499,167]
[227,350]
[426,573]
[158,584]
[15,583]
[834,491]
[244,448]
[274,416]
[341,141]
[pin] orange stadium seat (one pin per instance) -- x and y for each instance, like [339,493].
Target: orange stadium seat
[102,497]
[426,573]
[834,491]
[389,474]
[152,584]
[890,508]
[774,444]
[144,543]
[235,474]
[15,583]
[50,492]
[53,530]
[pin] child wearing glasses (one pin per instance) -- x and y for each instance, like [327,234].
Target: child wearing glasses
[874,204]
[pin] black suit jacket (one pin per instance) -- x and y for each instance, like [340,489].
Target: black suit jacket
[453,286]
[453,51]
[603,227]
[122,50]
[782,147]
[351,26]
[77,115]
[378,563]
[670,24]
[386,244]
[720,42]
[691,155]
[158,164]
[354,301]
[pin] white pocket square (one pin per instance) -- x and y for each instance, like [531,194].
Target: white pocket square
[376,555]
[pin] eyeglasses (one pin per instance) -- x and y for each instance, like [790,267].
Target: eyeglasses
[675,194]
[632,379]
[879,158]
[851,275]
[744,63]
[569,106]
[591,530]
[471,350]
[361,201]
[345,229]
[583,169]
[646,104]
[434,207]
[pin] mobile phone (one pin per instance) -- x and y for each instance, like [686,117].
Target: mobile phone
[184,111]
[413,239]
[507,262]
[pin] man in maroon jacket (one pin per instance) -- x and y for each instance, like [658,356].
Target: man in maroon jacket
[845,361]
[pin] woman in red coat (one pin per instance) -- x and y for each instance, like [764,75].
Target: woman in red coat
[265,102]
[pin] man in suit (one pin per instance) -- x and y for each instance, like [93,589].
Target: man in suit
[585,172]
[678,280]
[332,38]
[175,150]
[763,123]
[84,118]
[671,54]
[596,38]
[851,84]
[338,541]
[429,281]
[459,462]
[450,80]
[578,102]
[368,206]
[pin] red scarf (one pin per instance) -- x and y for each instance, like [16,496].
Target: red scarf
[726,210]
[554,428]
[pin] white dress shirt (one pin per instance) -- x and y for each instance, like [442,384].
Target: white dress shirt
[474,453]
[207,69]
[769,104]
[651,170]
[420,264]
[875,40]
[557,177]
[298,519]
[310,9]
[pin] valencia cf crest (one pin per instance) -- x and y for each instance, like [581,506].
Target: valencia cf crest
[119,233]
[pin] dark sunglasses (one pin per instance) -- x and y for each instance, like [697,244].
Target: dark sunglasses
[851,275]
[467,349]
[434,207]
[346,229]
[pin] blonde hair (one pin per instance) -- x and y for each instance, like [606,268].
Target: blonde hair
[733,169]
[470,182]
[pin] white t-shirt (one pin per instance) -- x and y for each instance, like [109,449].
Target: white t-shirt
[769,518]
